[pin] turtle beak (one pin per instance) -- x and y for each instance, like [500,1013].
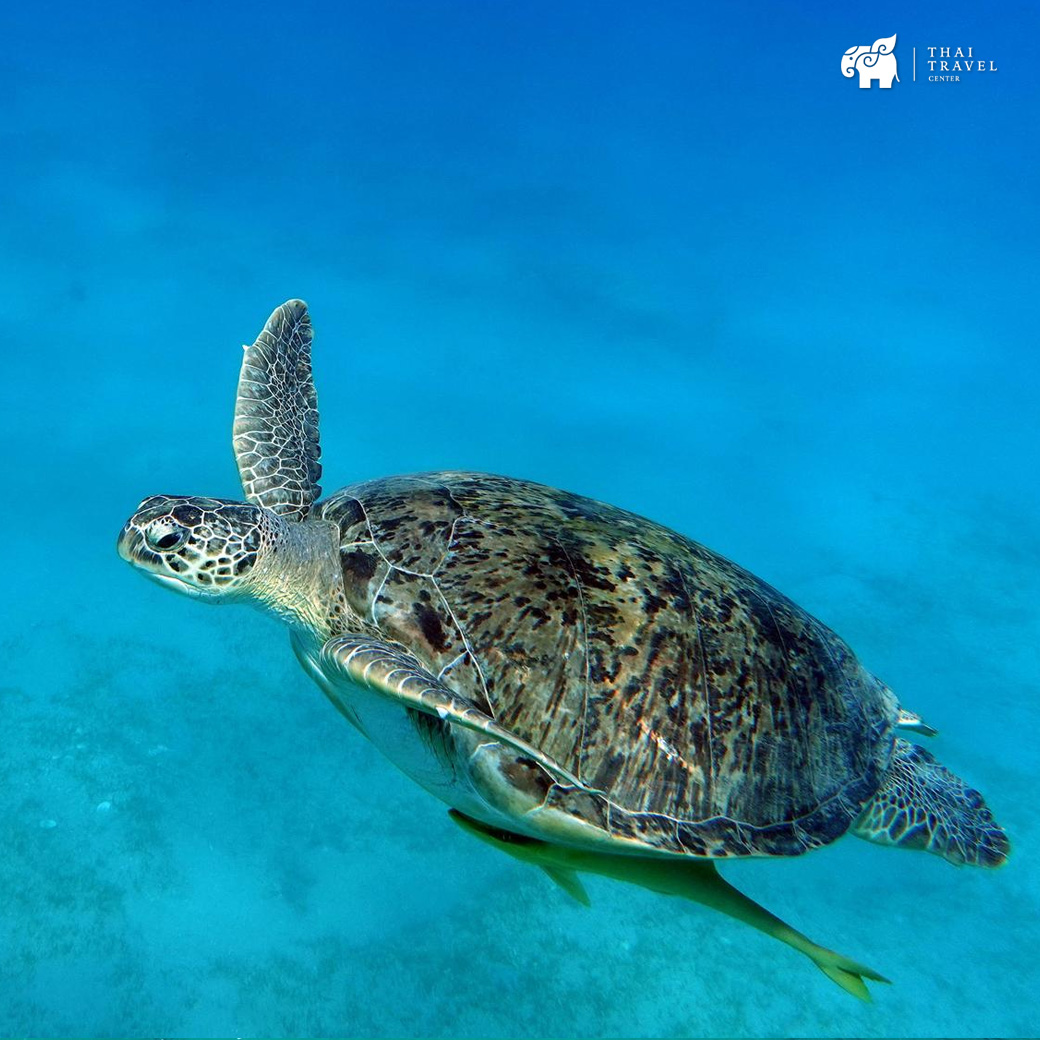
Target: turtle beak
[168,581]
[129,543]
[131,547]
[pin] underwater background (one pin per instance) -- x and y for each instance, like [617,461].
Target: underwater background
[661,254]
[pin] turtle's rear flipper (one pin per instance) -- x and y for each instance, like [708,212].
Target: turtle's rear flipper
[922,805]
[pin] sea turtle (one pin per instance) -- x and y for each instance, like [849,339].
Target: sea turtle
[586,689]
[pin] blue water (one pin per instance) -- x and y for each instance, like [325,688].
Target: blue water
[661,254]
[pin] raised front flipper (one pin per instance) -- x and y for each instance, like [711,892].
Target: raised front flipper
[276,416]
[393,672]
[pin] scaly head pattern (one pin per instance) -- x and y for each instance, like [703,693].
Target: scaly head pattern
[204,547]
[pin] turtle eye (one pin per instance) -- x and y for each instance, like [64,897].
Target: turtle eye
[165,536]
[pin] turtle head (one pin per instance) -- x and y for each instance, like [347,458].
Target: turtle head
[203,547]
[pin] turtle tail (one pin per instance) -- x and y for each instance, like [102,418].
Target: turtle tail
[922,805]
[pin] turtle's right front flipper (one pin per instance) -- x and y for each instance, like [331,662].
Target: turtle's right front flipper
[276,416]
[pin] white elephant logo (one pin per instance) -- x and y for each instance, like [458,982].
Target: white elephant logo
[872,63]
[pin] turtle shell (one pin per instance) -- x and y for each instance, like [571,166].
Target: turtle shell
[710,713]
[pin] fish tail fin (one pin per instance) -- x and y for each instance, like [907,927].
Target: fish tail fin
[844,972]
